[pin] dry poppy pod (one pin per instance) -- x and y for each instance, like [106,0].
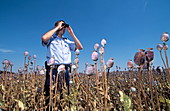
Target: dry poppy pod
[139,57]
[133,89]
[20,70]
[159,47]
[103,42]
[159,69]
[34,56]
[149,55]
[86,63]
[32,62]
[61,68]
[26,53]
[90,70]
[110,63]
[76,60]
[26,64]
[77,52]
[94,56]
[11,63]
[29,57]
[73,67]
[31,67]
[101,61]
[101,50]
[130,64]
[51,61]
[42,72]
[5,62]
[96,46]
[164,37]
[38,67]
[165,47]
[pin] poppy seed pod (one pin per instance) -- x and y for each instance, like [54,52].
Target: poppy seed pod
[165,47]
[130,64]
[61,68]
[101,61]
[20,70]
[5,62]
[26,53]
[86,63]
[73,67]
[26,64]
[94,56]
[159,47]
[29,57]
[51,61]
[34,56]
[139,57]
[133,89]
[103,42]
[11,63]
[31,68]
[71,82]
[164,37]
[96,46]
[42,72]
[76,60]
[32,62]
[159,69]
[38,67]
[90,70]
[77,52]
[149,55]
[101,50]
[110,63]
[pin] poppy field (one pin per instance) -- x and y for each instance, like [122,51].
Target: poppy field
[140,87]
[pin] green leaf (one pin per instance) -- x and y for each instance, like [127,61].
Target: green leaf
[1,104]
[3,87]
[165,100]
[126,101]
[73,108]
[20,104]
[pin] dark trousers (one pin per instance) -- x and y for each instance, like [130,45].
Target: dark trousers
[60,82]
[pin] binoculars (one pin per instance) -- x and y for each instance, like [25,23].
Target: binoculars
[65,25]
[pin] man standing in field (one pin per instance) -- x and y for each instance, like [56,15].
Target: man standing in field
[60,48]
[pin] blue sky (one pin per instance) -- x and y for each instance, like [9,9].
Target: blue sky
[127,25]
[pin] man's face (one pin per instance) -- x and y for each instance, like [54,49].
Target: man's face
[62,31]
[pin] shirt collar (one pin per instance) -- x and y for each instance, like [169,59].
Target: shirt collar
[55,36]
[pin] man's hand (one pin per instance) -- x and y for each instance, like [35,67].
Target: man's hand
[78,44]
[50,33]
[70,30]
[60,27]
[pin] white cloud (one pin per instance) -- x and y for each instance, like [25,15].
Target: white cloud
[6,50]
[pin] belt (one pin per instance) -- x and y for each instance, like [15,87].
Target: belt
[67,67]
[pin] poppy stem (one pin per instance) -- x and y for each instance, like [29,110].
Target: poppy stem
[139,88]
[51,69]
[168,68]
[162,59]
[151,88]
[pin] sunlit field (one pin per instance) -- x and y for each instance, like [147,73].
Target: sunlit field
[140,87]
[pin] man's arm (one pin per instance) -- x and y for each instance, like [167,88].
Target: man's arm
[78,44]
[50,33]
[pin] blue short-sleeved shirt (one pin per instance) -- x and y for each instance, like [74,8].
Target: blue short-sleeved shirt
[60,49]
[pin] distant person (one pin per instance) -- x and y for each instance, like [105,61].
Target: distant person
[59,48]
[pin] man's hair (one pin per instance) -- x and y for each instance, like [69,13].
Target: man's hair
[58,22]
